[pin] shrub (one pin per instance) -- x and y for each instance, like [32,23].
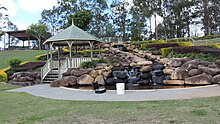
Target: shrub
[3,76]
[207,37]
[89,64]
[14,62]
[165,51]
[185,44]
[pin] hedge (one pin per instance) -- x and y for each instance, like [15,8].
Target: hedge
[215,45]
[185,44]
[165,45]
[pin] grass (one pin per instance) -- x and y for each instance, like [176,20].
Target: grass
[22,108]
[23,55]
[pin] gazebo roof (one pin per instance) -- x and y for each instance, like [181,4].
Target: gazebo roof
[21,35]
[72,33]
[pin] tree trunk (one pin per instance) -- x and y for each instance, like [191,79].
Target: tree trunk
[39,43]
[206,17]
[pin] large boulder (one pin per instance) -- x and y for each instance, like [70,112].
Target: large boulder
[158,67]
[25,83]
[107,74]
[194,72]
[192,64]
[216,79]
[85,80]
[55,83]
[202,79]
[208,70]
[79,72]
[175,63]
[142,63]
[68,81]
[168,71]
[100,79]
[93,73]
[173,82]
[145,69]
[179,74]
[145,75]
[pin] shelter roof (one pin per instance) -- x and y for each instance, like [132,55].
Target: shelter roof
[21,35]
[74,34]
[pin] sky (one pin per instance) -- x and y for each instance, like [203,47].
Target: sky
[23,13]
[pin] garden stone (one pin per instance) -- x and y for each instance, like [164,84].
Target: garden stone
[93,73]
[85,80]
[100,79]
[116,64]
[179,74]
[191,64]
[194,72]
[132,64]
[145,69]
[29,78]
[168,71]
[217,62]
[37,81]
[55,83]
[208,70]
[68,81]
[158,79]
[158,67]
[173,82]
[108,68]
[107,74]
[125,64]
[20,79]
[157,73]
[216,79]
[67,73]
[164,60]
[110,81]
[25,83]
[145,75]
[120,74]
[175,63]
[202,79]
[144,82]
[142,63]
[77,72]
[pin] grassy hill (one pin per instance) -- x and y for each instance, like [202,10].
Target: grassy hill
[23,55]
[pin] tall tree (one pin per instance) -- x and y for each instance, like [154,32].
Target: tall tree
[120,16]
[39,31]
[80,18]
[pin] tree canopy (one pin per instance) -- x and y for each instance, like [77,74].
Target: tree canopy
[136,20]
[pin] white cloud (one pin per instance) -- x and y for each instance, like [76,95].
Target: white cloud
[35,6]
[22,25]
[11,6]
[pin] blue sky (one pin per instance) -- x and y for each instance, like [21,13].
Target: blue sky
[23,13]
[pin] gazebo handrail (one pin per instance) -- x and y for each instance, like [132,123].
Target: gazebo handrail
[46,69]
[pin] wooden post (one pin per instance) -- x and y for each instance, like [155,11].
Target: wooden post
[9,42]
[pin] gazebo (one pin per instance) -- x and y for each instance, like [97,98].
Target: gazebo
[71,36]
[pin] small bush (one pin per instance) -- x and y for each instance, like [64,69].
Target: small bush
[89,64]
[14,62]
[3,76]
[165,51]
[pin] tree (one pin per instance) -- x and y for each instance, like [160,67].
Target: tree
[120,17]
[39,31]
[80,18]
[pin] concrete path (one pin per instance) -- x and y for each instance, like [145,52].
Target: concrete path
[44,90]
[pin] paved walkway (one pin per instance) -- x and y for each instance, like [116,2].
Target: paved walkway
[44,90]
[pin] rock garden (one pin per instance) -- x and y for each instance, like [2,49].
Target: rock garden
[144,67]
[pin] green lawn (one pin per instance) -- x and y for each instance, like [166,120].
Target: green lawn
[22,108]
[23,55]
